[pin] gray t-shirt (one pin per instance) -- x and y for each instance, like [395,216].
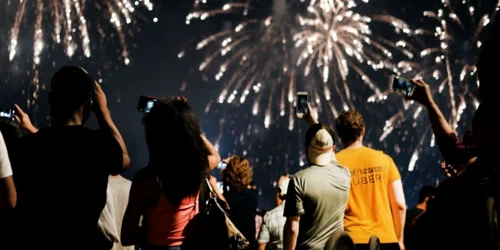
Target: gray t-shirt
[319,196]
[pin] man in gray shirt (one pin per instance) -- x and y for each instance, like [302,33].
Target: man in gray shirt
[317,195]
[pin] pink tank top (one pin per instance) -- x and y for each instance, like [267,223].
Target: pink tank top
[165,223]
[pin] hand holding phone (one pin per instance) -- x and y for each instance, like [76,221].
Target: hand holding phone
[302,104]
[146,103]
[401,86]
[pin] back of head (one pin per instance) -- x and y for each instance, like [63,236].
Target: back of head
[350,126]
[237,174]
[11,132]
[177,152]
[426,192]
[70,88]
[487,68]
[485,128]
[319,144]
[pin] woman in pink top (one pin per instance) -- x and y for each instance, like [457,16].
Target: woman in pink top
[165,193]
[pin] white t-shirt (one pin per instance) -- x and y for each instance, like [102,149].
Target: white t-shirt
[111,218]
[5,168]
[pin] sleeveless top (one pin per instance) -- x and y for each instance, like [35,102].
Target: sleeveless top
[165,223]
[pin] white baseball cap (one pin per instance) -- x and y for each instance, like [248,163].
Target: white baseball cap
[320,148]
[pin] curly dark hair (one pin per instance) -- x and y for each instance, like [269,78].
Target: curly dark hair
[350,126]
[237,174]
[177,153]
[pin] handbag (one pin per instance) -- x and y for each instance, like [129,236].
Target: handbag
[212,229]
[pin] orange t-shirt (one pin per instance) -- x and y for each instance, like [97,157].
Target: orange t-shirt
[368,210]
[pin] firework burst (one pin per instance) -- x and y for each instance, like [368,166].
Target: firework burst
[262,54]
[70,23]
[337,40]
[252,56]
[448,65]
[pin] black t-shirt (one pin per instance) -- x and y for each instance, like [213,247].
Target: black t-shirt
[243,209]
[61,176]
[410,237]
[456,217]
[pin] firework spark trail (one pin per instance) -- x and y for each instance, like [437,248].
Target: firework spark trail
[335,35]
[450,32]
[68,16]
[332,32]
[256,53]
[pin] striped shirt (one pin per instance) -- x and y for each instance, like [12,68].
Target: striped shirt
[271,231]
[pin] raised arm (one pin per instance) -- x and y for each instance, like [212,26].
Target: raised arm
[213,155]
[106,124]
[452,150]
[23,120]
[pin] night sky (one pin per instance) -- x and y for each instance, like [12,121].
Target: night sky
[155,69]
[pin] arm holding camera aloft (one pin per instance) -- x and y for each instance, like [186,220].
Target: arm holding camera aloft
[100,108]
[23,120]
[309,117]
[213,155]
[452,150]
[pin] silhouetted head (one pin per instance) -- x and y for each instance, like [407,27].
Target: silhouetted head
[426,192]
[71,91]
[487,66]
[350,126]
[485,131]
[238,173]
[177,153]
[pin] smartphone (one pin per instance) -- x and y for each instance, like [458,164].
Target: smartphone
[302,101]
[220,186]
[401,86]
[222,165]
[146,103]
[7,113]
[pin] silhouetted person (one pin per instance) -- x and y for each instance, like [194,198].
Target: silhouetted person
[61,171]
[426,193]
[166,192]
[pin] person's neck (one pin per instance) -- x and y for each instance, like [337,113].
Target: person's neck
[334,158]
[74,120]
[357,144]
[422,206]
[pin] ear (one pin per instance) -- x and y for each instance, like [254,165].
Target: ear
[363,132]
[334,148]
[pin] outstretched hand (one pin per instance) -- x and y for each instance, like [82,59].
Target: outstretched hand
[309,117]
[23,120]
[422,93]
